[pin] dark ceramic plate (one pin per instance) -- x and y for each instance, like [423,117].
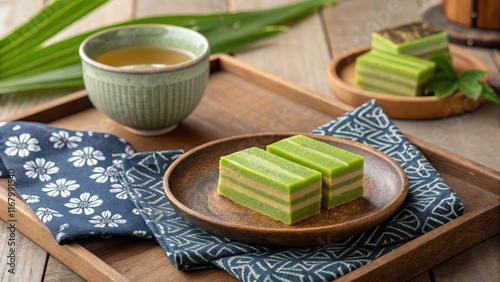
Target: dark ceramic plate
[190,184]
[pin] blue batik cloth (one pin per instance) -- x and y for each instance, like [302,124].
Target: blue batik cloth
[430,203]
[71,180]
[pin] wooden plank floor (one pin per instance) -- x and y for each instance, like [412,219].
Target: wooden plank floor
[302,55]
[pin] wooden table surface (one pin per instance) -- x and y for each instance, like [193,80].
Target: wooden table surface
[301,55]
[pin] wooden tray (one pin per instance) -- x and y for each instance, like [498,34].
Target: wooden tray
[242,99]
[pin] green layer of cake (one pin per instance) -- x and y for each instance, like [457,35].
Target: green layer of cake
[269,169]
[340,183]
[387,86]
[341,170]
[385,65]
[393,73]
[286,207]
[340,199]
[398,65]
[331,161]
[287,201]
[271,185]
[415,39]
[419,48]
[270,209]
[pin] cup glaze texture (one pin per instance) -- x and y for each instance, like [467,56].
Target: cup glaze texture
[146,99]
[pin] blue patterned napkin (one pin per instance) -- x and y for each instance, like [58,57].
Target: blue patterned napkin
[429,204]
[71,180]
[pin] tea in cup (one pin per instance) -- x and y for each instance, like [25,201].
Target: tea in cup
[147,78]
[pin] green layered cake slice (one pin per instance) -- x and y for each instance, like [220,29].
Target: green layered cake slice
[392,73]
[417,39]
[342,171]
[271,185]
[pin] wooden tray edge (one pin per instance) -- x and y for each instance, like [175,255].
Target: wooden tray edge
[322,103]
[418,256]
[71,254]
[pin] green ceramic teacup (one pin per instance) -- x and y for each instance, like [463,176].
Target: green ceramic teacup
[147,101]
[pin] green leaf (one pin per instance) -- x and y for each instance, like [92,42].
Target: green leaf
[442,88]
[489,94]
[24,63]
[67,76]
[44,25]
[444,66]
[472,75]
[469,82]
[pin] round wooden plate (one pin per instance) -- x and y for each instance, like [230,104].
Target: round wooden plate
[190,184]
[341,78]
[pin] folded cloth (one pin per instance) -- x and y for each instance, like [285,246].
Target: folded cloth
[429,204]
[71,180]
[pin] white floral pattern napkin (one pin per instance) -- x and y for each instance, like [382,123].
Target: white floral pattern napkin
[71,180]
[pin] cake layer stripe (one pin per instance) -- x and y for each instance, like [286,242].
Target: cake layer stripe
[330,192]
[424,43]
[263,186]
[439,39]
[415,39]
[269,184]
[341,170]
[387,86]
[322,161]
[283,200]
[343,198]
[337,185]
[385,90]
[419,52]
[270,210]
[317,155]
[376,71]
[371,59]
[273,170]
[347,157]
[392,72]
[340,179]
[401,59]
[350,175]
[225,187]
[268,168]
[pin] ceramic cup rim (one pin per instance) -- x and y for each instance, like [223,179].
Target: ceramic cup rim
[87,59]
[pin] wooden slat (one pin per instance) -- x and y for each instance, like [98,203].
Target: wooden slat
[57,271]
[476,264]
[73,254]
[28,263]
[350,24]
[154,7]
[278,84]
[301,54]
[109,13]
